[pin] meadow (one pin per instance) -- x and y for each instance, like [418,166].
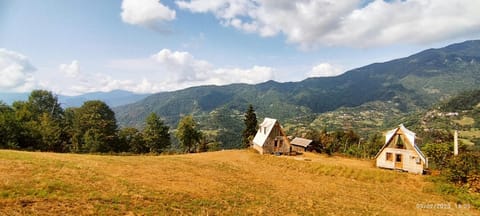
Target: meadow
[236,182]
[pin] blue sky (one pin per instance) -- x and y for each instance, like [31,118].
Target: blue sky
[79,46]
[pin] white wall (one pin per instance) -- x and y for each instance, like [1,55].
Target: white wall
[409,159]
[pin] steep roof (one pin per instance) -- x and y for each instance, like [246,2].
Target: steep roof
[410,135]
[263,131]
[301,142]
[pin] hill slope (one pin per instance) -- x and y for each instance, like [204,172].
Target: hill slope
[409,83]
[219,183]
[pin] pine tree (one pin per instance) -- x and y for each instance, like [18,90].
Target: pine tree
[250,126]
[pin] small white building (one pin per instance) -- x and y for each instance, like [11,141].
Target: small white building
[401,153]
[271,138]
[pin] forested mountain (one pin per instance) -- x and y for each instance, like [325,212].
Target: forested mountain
[403,85]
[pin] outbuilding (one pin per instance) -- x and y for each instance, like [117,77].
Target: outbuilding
[300,144]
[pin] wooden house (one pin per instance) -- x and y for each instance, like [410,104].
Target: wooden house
[400,152]
[300,144]
[271,138]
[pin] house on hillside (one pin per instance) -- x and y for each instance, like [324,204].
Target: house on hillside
[271,138]
[400,152]
[300,144]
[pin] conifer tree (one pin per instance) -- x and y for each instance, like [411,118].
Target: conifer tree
[250,126]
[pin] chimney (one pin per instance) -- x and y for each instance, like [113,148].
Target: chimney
[455,143]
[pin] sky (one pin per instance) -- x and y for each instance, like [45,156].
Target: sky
[73,47]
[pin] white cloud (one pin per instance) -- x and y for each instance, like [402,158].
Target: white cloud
[182,66]
[312,23]
[148,13]
[325,70]
[172,70]
[16,72]
[106,83]
[183,69]
[70,70]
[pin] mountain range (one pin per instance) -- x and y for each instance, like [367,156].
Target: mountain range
[112,98]
[399,86]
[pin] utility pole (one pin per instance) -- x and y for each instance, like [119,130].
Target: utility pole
[455,143]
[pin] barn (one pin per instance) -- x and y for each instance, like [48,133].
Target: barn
[300,144]
[271,138]
[400,152]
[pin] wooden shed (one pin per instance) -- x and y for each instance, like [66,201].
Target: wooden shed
[271,138]
[400,152]
[300,144]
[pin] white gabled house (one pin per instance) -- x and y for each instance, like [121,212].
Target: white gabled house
[401,153]
[271,138]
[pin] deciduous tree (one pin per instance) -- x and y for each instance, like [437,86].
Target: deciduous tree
[94,127]
[187,134]
[156,135]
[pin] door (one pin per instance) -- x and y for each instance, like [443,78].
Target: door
[398,161]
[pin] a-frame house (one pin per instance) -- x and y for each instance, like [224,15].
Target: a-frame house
[271,138]
[401,153]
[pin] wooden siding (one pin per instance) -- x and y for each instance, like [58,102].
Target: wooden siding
[409,160]
[278,137]
[296,148]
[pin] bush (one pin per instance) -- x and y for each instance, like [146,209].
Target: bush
[464,169]
[438,154]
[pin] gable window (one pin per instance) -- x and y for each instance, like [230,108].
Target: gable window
[265,130]
[389,156]
[400,143]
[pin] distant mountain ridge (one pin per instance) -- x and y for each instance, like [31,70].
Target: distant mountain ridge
[411,83]
[113,98]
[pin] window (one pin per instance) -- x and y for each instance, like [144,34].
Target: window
[400,143]
[398,158]
[418,160]
[389,156]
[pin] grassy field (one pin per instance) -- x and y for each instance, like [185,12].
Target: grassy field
[220,183]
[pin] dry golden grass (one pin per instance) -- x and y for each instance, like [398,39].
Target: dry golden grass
[219,183]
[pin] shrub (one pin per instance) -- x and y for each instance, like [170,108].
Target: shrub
[464,169]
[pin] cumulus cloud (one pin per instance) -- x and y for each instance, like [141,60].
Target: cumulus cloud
[148,13]
[312,23]
[183,69]
[325,70]
[70,70]
[172,70]
[16,72]
[105,83]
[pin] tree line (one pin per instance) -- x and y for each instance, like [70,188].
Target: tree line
[41,124]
